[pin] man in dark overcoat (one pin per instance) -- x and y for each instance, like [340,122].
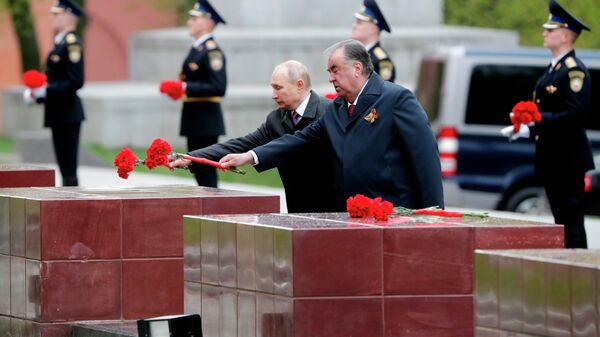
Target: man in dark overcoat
[308,177]
[377,132]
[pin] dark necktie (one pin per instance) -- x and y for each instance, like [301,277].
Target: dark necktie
[295,117]
[351,110]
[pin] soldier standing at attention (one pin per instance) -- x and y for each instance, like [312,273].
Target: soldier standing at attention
[203,81]
[367,29]
[63,111]
[563,152]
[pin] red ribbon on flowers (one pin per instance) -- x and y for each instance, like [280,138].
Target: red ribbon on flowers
[34,79]
[158,155]
[361,206]
[212,163]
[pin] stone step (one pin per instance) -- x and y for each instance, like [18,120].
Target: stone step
[134,113]
[278,13]
[106,329]
[253,53]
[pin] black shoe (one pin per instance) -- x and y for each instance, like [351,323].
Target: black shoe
[70,181]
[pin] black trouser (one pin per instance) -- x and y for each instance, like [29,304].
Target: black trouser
[205,175]
[565,194]
[66,147]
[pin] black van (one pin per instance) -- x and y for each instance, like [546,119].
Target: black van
[468,94]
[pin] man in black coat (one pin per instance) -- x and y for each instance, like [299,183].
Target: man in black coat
[367,29]
[204,81]
[377,132]
[63,111]
[563,152]
[307,178]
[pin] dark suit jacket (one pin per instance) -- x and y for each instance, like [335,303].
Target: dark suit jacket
[204,72]
[564,98]
[393,155]
[382,63]
[307,177]
[64,69]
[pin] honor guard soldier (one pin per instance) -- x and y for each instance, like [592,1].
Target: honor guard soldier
[63,111]
[203,81]
[563,152]
[367,29]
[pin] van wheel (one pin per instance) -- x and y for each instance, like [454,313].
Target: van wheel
[526,200]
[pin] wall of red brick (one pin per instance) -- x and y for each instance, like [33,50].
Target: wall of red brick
[109,25]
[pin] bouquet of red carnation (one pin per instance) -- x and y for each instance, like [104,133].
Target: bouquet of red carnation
[361,206]
[524,112]
[173,89]
[34,79]
[125,161]
[158,155]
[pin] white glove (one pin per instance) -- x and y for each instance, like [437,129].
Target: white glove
[39,92]
[530,123]
[28,96]
[512,135]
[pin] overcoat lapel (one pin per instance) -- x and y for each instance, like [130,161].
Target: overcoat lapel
[367,98]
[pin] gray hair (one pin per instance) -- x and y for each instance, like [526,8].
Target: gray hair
[354,51]
[294,71]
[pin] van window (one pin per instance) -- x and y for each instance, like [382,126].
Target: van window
[495,89]
[429,86]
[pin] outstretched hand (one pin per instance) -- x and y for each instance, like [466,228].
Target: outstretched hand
[237,159]
[179,163]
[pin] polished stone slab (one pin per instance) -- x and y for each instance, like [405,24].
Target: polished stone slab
[23,175]
[331,275]
[536,292]
[72,254]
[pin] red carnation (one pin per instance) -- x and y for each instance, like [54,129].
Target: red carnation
[331,95]
[524,112]
[34,79]
[382,209]
[158,154]
[125,161]
[359,206]
[173,89]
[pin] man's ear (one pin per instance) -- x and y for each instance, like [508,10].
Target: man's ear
[358,68]
[300,84]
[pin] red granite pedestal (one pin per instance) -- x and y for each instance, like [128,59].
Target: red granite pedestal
[73,254]
[328,275]
[537,293]
[20,175]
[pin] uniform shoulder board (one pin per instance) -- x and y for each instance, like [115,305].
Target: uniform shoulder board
[570,62]
[379,53]
[71,38]
[210,44]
